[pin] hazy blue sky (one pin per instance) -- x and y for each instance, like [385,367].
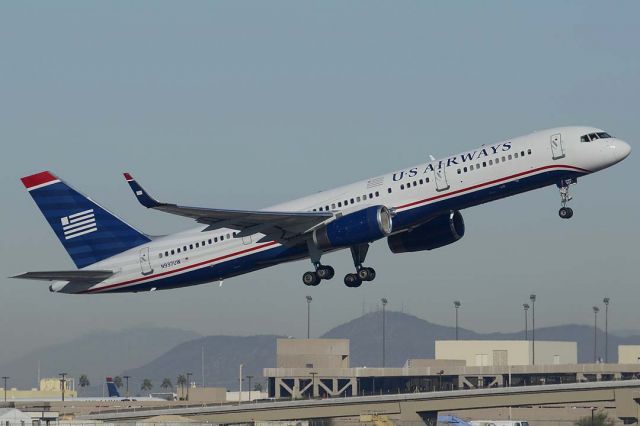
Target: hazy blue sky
[246,104]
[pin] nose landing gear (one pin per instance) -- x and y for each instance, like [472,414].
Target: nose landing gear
[565,212]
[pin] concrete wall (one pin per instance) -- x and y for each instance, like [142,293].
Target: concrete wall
[213,395]
[478,353]
[312,353]
[629,354]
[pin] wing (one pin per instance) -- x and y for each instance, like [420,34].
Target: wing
[94,276]
[279,226]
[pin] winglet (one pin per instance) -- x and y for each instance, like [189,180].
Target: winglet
[143,197]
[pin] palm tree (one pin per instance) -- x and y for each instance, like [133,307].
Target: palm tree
[117,381]
[166,383]
[181,381]
[83,381]
[146,385]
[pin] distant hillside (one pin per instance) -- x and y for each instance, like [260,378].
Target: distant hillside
[407,337]
[98,355]
[222,358]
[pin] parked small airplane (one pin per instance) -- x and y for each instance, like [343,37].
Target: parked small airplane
[415,209]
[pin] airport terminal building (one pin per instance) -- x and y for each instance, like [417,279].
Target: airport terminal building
[320,368]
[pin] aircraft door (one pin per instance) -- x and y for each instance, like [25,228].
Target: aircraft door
[557,148]
[246,240]
[440,177]
[145,261]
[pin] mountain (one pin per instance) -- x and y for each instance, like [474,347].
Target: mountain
[100,354]
[222,358]
[407,337]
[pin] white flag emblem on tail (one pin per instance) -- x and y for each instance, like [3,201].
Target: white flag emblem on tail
[78,224]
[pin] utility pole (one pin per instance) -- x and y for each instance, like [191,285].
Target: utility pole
[606,301]
[126,380]
[249,377]
[309,299]
[188,384]
[5,378]
[457,305]
[384,331]
[595,333]
[63,381]
[533,328]
[240,381]
[526,314]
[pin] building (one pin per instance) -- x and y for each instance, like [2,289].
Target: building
[629,354]
[312,353]
[14,417]
[50,388]
[501,363]
[487,353]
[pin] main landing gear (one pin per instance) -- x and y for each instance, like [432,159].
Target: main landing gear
[326,272]
[565,212]
[363,273]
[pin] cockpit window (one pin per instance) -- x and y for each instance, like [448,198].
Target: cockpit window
[593,136]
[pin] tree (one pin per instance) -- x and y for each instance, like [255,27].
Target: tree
[117,381]
[599,418]
[83,381]
[146,385]
[166,383]
[181,381]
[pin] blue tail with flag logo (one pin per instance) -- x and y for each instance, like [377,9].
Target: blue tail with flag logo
[112,388]
[88,232]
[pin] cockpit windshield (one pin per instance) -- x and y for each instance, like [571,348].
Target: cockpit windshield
[593,136]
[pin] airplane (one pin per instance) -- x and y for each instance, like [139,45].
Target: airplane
[414,209]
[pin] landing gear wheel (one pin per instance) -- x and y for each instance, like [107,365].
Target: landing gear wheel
[325,272]
[366,274]
[352,280]
[310,278]
[566,212]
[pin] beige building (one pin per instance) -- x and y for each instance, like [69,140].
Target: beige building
[313,353]
[486,353]
[629,354]
[49,389]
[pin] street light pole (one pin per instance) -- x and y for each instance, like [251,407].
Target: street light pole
[63,381]
[384,331]
[457,305]
[595,333]
[5,378]
[606,301]
[188,384]
[526,309]
[126,381]
[533,328]
[249,377]
[309,299]
[313,383]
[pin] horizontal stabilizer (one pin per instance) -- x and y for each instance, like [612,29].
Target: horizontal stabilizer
[84,276]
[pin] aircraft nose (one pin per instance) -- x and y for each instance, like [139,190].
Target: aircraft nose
[621,149]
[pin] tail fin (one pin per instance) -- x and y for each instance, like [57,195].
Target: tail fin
[88,232]
[112,388]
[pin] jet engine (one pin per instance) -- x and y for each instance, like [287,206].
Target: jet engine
[359,227]
[438,232]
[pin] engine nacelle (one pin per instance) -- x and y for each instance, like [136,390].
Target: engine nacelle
[359,227]
[441,231]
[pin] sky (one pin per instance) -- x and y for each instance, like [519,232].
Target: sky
[243,104]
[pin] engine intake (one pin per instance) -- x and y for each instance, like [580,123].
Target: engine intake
[359,227]
[440,231]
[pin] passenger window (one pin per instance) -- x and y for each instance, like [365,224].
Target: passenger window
[477,165]
[160,255]
[491,162]
[339,203]
[333,205]
[166,254]
[173,252]
[465,170]
[504,158]
[190,246]
[497,160]
[471,167]
[326,208]
[402,186]
[458,171]
[346,203]
[221,237]
[427,179]
[370,196]
[529,151]
[358,199]
[209,241]
[510,157]
[377,194]
[352,201]
[178,249]
[389,190]
[215,240]
[228,236]
[421,181]
[184,248]
[515,155]
[415,183]
[484,164]
[198,245]
[522,153]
